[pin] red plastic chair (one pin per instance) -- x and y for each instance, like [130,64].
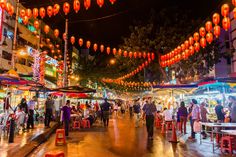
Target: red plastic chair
[60,137]
[85,123]
[55,153]
[227,144]
[76,125]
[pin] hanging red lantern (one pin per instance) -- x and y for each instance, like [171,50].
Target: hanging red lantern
[216,18]
[119,52]
[46,29]
[186,43]
[3,4]
[125,53]
[146,63]
[100,3]
[196,36]
[22,13]
[88,44]
[36,24]
[55,57]
[56,33]
[148,55]
[202,31]
[8,6]
[80,42]
[175,51]
[234,2]
[72,40]
[25,20]
[217,31]
[48,40]
[66,8]
[191,40]
[108,50]
[153,56]
[208,26]
[11,10]
[234,13]
[114,51]
[35,13]
[226,23]
[135,54]
[87,4]
[179,49]
[203,42]
[102,48]
[191,50]
[182,47]
[209,37]
[112,1]
[49,11]
[28,13]
[140,55]
[225,10]
[197,46]
[56,9]
[95,47]
[42,12]
[130,54]
[144,55]
[76,5]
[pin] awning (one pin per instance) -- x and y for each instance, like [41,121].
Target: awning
[75,89]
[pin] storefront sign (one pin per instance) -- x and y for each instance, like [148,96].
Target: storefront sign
[51,61]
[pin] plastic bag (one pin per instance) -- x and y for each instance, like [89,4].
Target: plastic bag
[197,126]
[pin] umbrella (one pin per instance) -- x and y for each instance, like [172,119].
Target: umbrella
[75,89]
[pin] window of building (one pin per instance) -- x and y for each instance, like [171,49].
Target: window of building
[6,55]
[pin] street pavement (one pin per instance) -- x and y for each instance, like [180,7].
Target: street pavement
[122,139]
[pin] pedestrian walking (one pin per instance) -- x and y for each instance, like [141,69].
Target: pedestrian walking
[137,112]
[105,107]
[204,113]
[24,107]
[130,104]
[48,110]
[219,110]
[195,117]
[183,114]
[149,110]
[31,106]
[65,116]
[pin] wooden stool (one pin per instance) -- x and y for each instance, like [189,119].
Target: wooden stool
[85,123]
[227,144]
[60,137]
[76,125]
[55,153]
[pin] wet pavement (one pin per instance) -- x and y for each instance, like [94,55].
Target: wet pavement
[122,139]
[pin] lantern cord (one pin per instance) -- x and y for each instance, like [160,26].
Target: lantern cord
[100,18]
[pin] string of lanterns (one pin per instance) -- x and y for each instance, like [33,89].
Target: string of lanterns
[7,6]
[26,14]
[199,39]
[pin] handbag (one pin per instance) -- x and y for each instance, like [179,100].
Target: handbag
[197,126]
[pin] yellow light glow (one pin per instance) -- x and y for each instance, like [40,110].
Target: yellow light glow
[112,61]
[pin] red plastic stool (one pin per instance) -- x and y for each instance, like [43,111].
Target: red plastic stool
[60,137]
[76,125]
[227,144]
[169,125]
[55,153]
[158,123]
[85,123]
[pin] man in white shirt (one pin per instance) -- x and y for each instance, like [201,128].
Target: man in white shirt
[57,105]
[167,114]
[31,106]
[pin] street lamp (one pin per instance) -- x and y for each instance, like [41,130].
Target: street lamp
[112,61]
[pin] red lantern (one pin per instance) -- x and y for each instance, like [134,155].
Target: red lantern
[203,42]
[216,18]
[49,11]
[226,23]
[108,50]
[191,40]
[191,50]
[135,54]
[81,42]
[56,9]
[202,31]
[112,1]
[208,26]
[11,10]
[25,20]
[46,29]
[225,10]
[148,55]
[22,13]
[35,13]
[95,47]
[36,24]
[209,37]
[153,56]
[130,54]
[76,5]
[144,55]
[56,33]
[102,48]
[234,2]
[175,51]
[114,51]
[234,12]
[3,4]
[88,44]
[182,47]
[146,63]
[119,52]
[42,12]
[100,3]
[217,31]
[72,40]
[87,4]
[179,49]
[125,53]
[140,55]
[197,46]
[8,6]
[66,8]
[28,13]
[196,36]
[186,43]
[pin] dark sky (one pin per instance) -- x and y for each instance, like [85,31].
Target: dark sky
[111,22]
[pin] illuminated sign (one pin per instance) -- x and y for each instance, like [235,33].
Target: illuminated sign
[1,15]
[51,61]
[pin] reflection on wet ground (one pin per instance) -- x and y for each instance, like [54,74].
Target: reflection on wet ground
[122,139]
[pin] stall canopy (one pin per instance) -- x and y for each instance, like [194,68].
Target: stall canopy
[71,95]
[75,89]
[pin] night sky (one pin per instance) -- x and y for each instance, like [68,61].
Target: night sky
[111,22]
